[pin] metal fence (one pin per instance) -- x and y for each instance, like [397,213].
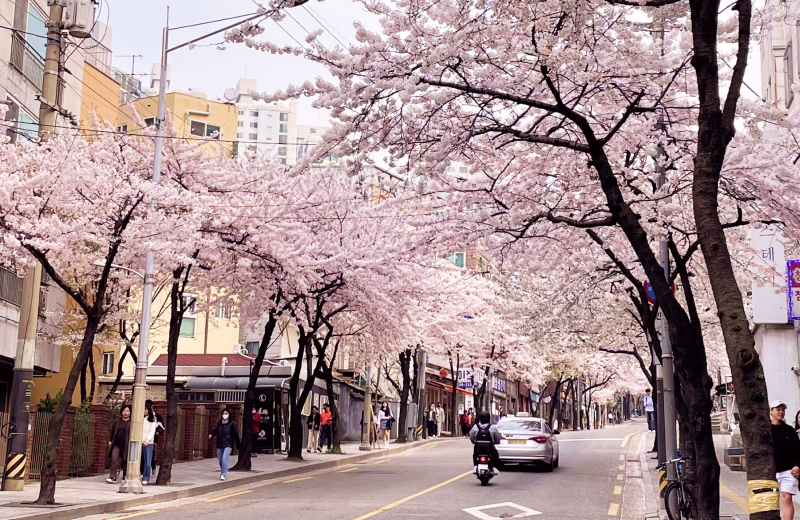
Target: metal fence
[200,433]
[80,462]
[39,444]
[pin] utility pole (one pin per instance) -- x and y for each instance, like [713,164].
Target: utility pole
[365,432]
[14,475]
[422,362]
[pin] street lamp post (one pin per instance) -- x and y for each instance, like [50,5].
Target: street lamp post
[132,482]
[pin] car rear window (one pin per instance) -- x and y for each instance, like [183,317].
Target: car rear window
[512,424]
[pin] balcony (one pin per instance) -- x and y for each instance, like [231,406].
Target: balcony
[26,61]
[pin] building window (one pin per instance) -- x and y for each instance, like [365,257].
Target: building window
[122,128]
[108,363]
[22,124]
[240,123]
[456,258]
[253,125]
[187,327]
[462,169]
[281,150]
[284,116]
[284,129]
[282,160]
[283,139]
[252,347]
[252,148]
[190,303]
[224,309]
[301,148]
[252,137]
[241,112]
[239,135]
[201,129]
[149,121]
[313,130]
[788,69]
[254,113]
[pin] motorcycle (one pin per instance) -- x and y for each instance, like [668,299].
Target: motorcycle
[483,458]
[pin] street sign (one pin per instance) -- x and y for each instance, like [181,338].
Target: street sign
[651,294]
[793,280]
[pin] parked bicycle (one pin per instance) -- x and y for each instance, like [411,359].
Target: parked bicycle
[678,495]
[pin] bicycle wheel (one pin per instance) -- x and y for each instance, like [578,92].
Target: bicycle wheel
[687,505]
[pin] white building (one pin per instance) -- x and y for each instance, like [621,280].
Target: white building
[271,129]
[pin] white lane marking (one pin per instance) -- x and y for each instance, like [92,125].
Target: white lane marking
[477,512]
[590,440]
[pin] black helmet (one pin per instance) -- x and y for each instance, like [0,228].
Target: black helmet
[484,417]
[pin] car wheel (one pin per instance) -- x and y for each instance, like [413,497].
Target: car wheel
[555,462]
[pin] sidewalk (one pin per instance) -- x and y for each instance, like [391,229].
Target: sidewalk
[732,485]
[79,497]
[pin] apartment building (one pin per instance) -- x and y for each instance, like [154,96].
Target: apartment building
[271,130]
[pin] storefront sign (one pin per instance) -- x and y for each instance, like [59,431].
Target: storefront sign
[499,385]
[466,378]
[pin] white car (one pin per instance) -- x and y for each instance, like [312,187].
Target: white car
[527,440]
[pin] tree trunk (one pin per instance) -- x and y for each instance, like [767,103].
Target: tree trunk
[715,131]
[93,377]
[555,400]
[47,488]
[296,402]
[82,384]
[405,370]
[454,396]
[128,350]
[175,319]
[243,463]
[334,406]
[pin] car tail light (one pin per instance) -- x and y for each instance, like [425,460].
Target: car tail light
[541,439]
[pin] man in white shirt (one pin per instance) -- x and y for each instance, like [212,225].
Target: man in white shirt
[648,407]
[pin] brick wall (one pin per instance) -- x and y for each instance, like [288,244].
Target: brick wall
[65,443]
[101,414]
[189,414]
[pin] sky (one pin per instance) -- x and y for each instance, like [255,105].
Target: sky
[137,26]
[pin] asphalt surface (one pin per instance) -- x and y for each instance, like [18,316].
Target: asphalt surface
[433,481]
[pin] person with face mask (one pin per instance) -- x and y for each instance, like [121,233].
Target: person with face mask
[227,437]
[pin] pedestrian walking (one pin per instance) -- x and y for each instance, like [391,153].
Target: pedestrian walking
[786,448]
[325,428]
[118,444]
[431,419]
[465,426]
[385,420]
[471,417]
[148,442]
[227,437]
[313,424]
[256,429]
[440,417]
[797,423]
[148,404]
[649,410]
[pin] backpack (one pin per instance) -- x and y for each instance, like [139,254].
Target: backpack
[483,434]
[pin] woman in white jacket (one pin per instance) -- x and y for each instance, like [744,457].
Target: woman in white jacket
[148,439]
[385,419]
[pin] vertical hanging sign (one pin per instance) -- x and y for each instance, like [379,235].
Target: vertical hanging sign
[793,279]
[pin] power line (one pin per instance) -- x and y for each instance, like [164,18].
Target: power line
[23,32]
[290,34]
[212,21]
[329,29]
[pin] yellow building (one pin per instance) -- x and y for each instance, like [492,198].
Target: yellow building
[193,115]
[101,94]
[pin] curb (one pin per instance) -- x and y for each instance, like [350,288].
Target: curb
[651,499]
[143,500]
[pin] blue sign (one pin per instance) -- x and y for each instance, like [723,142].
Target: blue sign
[499,385]
[793,279]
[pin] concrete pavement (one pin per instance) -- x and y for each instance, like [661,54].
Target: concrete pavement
[434,481]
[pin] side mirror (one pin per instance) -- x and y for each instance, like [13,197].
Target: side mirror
[556,432]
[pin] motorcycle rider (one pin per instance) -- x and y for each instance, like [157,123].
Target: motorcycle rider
[485,430]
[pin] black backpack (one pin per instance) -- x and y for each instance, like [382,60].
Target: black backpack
[483,434]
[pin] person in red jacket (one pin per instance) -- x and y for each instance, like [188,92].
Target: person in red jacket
[326,432]
[256,429]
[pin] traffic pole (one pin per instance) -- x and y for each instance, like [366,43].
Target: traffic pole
[365,432]
[14,474]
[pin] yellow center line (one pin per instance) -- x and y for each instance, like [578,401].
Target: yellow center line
[619,477]
[347,470]
[733,496]
[132,515]
[296,480]
[380,461]
[622,467]
[223,497]
[617,490]
[622,457]
[625,440]
[613,510]
[411,497]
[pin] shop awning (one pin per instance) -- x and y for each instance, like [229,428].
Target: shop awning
[234,383]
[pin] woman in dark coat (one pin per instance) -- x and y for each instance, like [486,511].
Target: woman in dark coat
[227,437]
[118,444]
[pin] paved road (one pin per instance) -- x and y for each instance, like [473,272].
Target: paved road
[432,482]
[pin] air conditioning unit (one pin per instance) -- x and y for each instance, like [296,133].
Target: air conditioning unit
[283,363]
[239,349]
